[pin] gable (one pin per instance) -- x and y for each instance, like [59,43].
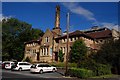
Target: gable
[48,33]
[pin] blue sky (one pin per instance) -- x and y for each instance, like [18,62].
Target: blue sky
[83,15]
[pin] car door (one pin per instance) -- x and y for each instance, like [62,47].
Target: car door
[21,65]
[48,67]
[28,65]
[45,68]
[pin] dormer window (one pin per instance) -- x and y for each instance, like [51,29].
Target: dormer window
[47,39]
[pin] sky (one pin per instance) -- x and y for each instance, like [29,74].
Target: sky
[83,15]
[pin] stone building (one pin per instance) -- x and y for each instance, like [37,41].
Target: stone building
[46,48]
[32,49]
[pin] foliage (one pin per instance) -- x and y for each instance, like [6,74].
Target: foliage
[61,64]
[97,68]
[14,34]
[103,69]
[110,54]
[27,59]
[78,51]
[80,72]
[61,56]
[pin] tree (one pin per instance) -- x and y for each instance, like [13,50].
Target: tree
[78,51]
[110,53]
[61,56]
[14,34]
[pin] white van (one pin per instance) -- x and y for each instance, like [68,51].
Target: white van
[21,66]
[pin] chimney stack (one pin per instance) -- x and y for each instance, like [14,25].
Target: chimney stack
[57,17]
[57,28]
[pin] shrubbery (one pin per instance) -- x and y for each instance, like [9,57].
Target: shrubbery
[80,73]
[103,69]
[61,64]
[97,68]
[27,59]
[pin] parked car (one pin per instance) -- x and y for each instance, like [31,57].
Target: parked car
[21,66]
[8,64]
[40,68]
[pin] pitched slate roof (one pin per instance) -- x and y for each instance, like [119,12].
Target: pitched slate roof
[96,34]
[75,33]
[37,41]
[101,34]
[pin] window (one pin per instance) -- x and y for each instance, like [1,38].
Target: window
[47,51]
[60,48]
[40,65]
[101,40]
[75,38]
[70,39]
[63,40]
[46,65]
[51,51]
[47,39]
[21,63]
[26,64]
[44,51]
[63,49]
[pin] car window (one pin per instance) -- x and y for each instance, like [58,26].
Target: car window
[26,64]
[48,66]
[21,63]
[40,65]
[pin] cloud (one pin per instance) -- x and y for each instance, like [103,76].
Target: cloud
[4,17]
[75,8]
[110,25]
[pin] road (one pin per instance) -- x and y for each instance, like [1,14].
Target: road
[26,75]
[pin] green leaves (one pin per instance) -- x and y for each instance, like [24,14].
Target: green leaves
[14,34]
[109,53]
[78,51]
[61,56]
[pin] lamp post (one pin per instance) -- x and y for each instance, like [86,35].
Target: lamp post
[66,64]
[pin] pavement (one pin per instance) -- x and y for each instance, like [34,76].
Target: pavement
[61,71]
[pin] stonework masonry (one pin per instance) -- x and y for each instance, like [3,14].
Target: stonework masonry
[46,48]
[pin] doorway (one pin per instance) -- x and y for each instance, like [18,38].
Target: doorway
[38,56]
[56,56]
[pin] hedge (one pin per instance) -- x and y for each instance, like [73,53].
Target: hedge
[97,68]
[80,72]
[62,64]
[103,69]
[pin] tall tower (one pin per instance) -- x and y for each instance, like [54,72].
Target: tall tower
[57,28]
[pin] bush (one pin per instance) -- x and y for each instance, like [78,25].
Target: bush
[80,72]
[27,59]
[97,68]
[62,64]
[103,69]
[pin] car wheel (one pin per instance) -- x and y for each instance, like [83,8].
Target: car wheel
[20,69]
[53,70]
[41,71]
